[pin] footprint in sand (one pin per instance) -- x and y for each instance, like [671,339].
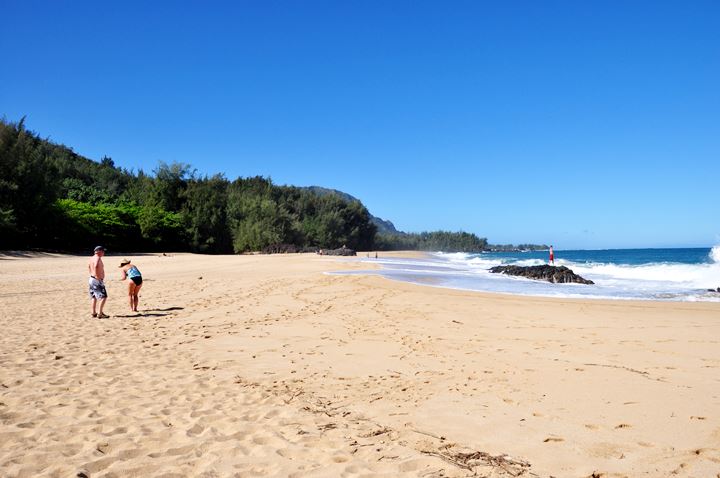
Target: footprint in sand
[131,453]
[98,465]
[173,451]
[196,430]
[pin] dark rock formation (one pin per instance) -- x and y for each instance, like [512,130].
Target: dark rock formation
[280,249]
[292,249]
[714,290]
[286,249]
[556,275]
[343,251]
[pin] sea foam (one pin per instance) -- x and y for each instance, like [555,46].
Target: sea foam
[663,275]
[715,254]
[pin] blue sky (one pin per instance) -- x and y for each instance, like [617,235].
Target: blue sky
[585,124]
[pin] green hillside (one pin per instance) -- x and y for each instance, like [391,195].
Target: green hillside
[52,198]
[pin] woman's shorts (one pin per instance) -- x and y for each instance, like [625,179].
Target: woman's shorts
[136,280]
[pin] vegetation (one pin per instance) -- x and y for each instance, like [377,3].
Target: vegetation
[53,198]
[432,241]
[519,247]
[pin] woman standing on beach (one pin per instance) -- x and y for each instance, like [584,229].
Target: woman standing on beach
[132,273]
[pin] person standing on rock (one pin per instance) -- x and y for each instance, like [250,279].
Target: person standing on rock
[552,256]
[96,284]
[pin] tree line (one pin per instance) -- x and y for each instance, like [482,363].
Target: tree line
[53,198]
[432,241]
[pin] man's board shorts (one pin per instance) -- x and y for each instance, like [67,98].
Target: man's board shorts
[96,289]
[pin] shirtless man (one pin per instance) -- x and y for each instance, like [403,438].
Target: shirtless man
[95,283]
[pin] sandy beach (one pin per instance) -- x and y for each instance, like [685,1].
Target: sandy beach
[266,366]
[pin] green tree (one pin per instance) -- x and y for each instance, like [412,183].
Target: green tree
[204,212]
[82,225]
[52,197]
[29,186]
[161,227]
[169,186]
[256,219]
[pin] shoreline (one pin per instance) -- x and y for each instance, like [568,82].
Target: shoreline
[274,368]
[470,277]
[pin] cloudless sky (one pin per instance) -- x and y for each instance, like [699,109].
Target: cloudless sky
[583,124]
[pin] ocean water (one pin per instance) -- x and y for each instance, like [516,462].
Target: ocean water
[646,274]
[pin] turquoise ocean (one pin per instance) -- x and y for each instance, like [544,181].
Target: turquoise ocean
[645,274]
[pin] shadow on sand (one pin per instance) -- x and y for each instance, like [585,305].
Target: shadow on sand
[139,315]
[30,253]
[5,255]
[149,313]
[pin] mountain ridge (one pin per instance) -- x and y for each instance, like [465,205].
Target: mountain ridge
[384,226]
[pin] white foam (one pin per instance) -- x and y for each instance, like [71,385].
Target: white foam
[715,254]
[644,276]
[530,262]
[668,281]
[687,275]
[454,256]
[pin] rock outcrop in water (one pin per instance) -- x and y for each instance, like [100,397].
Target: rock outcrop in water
[556,275]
